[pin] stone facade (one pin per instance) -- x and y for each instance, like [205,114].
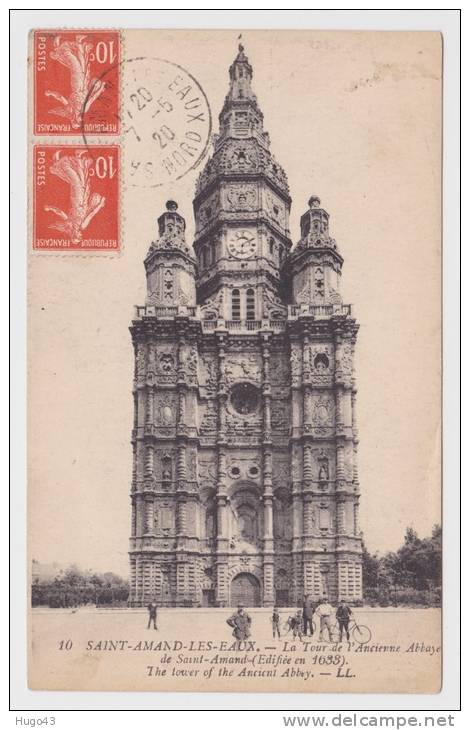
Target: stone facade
[245,484]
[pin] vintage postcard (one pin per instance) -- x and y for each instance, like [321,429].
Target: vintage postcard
[234,368]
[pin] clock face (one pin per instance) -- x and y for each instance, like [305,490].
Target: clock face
[242,244]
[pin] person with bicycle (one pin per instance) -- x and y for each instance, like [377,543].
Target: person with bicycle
[295,625]
[325,612]
[343,616]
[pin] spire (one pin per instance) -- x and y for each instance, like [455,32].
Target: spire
[241,74]
[240,113]
[242,145]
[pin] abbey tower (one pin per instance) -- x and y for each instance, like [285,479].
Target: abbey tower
[245,484]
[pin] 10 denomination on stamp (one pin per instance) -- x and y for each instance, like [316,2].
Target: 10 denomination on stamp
[76,198]
[76,82]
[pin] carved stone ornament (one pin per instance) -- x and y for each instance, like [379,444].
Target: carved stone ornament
[279,370]
[212,308]
[346,361]
[189,360]
[273,308]
[323,411]
[295,362]
[241,157]
[166,410]
[208,367]
[304,296]
[243,367]
[166,363]
[140,359]
[241,197]
[275,209]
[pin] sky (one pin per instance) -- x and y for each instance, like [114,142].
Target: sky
[353,118]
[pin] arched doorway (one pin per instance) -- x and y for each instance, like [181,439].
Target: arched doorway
[245,590]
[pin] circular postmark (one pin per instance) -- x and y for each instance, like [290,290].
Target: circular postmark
[165,121]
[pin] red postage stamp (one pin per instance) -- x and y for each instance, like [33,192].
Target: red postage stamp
[76,198]
[76,82]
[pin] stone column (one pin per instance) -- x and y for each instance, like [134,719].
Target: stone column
[222,596]
[268,547]
[307,463]
[222,588]
[181,463]
[149,415]
[297,517]
[339,407]
[140,515]
[341,517]
[181,517]
[266,386]
[181,579]
[134,518]
[308,516]
[141,397]
[181,408]
[134,467]
[340,462]
[356,517]
[149,461]
[149,515]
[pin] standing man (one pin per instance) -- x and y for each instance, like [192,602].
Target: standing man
[152,609]
[325,612]
[275,620]
[343,614]
[240,623]
[307,613]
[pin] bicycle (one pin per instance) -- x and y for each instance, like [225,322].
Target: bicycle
[287,627]
[360,633]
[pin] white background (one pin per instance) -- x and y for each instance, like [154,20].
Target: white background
[29,704]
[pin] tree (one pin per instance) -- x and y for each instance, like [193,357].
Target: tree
[407,575]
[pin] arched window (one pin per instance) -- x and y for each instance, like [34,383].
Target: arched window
[250,304]
[271,245]
[236,304]
[205,257]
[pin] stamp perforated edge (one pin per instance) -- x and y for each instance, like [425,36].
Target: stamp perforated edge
[69,140]
[32,69]
[64,253]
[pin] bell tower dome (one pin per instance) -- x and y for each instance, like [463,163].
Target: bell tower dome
[241,208]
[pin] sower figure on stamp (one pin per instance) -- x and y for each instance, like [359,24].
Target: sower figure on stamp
[275,619]
[308,609]
[152,609]
[343,614]
[240,623]
[325,612]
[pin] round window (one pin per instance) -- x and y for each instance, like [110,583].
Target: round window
[245,398]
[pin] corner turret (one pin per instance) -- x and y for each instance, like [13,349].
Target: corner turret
[170,264]
[315,263]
